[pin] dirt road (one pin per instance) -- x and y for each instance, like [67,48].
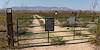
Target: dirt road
[82,46]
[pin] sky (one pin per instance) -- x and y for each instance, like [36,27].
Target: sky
[73,4]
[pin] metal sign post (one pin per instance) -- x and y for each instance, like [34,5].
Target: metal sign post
[48,37]
[49,25]
[10,27]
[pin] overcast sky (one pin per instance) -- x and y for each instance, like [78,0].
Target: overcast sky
[73,4]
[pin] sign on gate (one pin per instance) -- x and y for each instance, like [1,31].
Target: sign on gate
[49,24]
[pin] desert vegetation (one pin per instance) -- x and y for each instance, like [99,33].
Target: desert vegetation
[28,29]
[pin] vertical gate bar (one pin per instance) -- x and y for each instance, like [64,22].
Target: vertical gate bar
[74,29]
[10,27]
[48,37]
[75,13]
[17,34]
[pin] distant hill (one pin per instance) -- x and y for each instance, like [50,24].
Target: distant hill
[39,9]
[42,8]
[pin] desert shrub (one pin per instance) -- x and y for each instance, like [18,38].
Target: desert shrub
[57,40]
[2,20]
[84,35]
[22,31]
[63,24]
[94,41]
[62,21]
[78,33]
[84,24]
[3,35]
[27,33]
[92,30]
[3,40]
[23,22]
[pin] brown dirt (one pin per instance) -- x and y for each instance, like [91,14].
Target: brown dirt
[82,46]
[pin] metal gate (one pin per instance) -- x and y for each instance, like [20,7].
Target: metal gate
[66,31]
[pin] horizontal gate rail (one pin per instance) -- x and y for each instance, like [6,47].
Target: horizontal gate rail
[50,45]
[59,31]
[47,42]
[3,31]
[54,25]
[49,37]
[54,17]
[56,32]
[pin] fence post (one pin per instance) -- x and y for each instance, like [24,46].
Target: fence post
[98,30]
[10,27]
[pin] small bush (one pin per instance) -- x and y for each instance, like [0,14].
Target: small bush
[92,30]
[77,33]
[57,41]
[94,41]
[3,40]
[85,35]
[22,31]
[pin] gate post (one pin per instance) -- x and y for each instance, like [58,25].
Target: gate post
[98,30]
[10,27]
